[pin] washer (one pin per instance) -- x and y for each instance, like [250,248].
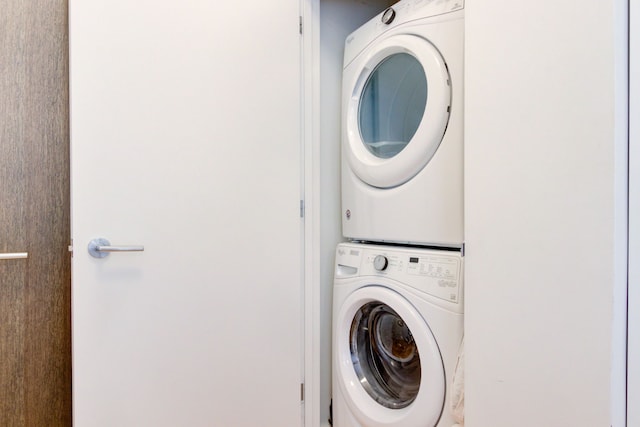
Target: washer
[402,126]
[397,329]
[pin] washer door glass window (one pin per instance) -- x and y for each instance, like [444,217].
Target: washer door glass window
[397,104]
[387,362]
[385,355]
[392,105]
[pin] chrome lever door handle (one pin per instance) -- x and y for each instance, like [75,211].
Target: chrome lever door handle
[101,247]
[14,255]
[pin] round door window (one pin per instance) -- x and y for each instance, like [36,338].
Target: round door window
[385,355]
[392,105]
[397,98]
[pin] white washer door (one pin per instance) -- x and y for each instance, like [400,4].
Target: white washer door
[389,365]
[398,103]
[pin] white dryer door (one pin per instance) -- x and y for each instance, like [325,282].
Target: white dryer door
[398,98]
[389,365]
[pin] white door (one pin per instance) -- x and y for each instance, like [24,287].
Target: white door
[185,134]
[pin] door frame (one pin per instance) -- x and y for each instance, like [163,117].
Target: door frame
[633,319]
[310,103]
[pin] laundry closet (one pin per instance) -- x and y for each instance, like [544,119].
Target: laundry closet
[545,208]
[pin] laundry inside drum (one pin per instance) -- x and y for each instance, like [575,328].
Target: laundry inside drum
[394,338]
[385,355]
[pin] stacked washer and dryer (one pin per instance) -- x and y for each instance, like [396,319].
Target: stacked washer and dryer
[398,287]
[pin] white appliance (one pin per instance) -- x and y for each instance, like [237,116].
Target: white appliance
[397,329]
[402,129]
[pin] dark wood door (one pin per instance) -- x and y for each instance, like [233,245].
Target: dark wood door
[35,324]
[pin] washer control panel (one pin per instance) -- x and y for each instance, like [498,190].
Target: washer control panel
[435,272]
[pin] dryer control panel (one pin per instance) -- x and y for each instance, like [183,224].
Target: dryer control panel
[403,12]
[435,272]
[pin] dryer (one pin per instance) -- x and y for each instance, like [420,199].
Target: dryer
[402,126]
[397,329]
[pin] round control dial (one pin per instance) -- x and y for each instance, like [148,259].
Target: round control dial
[388,16]
[380,262]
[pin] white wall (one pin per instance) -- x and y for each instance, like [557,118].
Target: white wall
[545,213]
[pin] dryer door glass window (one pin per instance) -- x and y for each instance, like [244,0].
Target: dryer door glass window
[392,105]
[385,355]
[397,104]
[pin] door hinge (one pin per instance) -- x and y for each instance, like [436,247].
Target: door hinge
[300,24]
[71,247]
[301,392]
[301,208]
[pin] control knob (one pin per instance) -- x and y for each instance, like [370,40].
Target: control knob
[388,16]
[380,262]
